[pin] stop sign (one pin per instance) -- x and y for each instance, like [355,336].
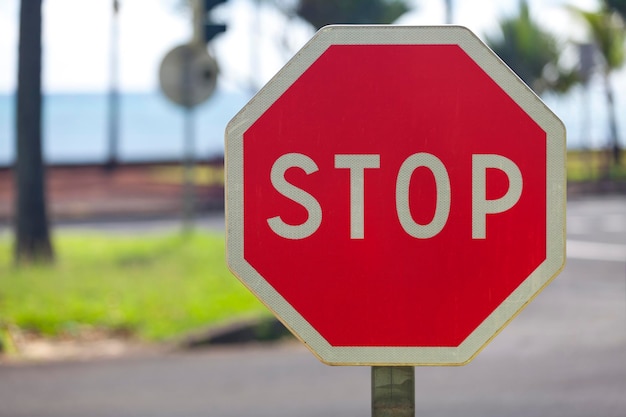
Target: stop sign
[395,195]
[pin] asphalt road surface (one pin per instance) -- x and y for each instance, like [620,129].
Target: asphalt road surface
[564,355]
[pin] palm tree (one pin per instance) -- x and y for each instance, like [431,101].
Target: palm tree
[606,30]
[32,241]
[618,6]
[323,12]
[532,53]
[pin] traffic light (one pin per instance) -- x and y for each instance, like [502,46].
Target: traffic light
[209,28]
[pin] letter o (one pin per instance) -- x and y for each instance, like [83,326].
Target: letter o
[442,183]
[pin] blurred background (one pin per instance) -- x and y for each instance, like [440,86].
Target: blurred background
[111,214]
[103,103]
[88,49]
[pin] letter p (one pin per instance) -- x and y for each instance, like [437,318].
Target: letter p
[480,205]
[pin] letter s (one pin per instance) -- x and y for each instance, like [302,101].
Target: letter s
[296,194]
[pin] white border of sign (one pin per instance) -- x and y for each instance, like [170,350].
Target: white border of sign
[555,188]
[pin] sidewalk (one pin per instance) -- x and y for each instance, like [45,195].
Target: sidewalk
[138,190]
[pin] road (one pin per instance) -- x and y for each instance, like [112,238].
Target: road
[564,355]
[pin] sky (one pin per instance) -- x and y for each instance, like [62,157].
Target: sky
[258,42]
[77,38]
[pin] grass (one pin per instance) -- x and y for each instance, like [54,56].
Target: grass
[591,166]
[153,287]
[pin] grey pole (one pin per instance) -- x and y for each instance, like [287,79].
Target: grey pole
[113,98]
[449,7]
[393,391]
[189,171]
[189,144]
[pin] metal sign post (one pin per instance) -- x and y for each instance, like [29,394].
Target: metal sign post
[189,198]
[188,143]
[188,76]
[393,391]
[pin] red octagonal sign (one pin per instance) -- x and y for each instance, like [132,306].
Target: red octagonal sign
[395,195]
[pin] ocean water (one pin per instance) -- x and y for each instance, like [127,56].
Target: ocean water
[75,127]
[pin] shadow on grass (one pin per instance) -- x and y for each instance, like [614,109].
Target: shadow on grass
[266,329]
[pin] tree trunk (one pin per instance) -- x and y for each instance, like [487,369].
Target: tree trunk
[32,243]
[614,145]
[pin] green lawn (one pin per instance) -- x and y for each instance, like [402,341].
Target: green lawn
[153,287]
[592,165]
